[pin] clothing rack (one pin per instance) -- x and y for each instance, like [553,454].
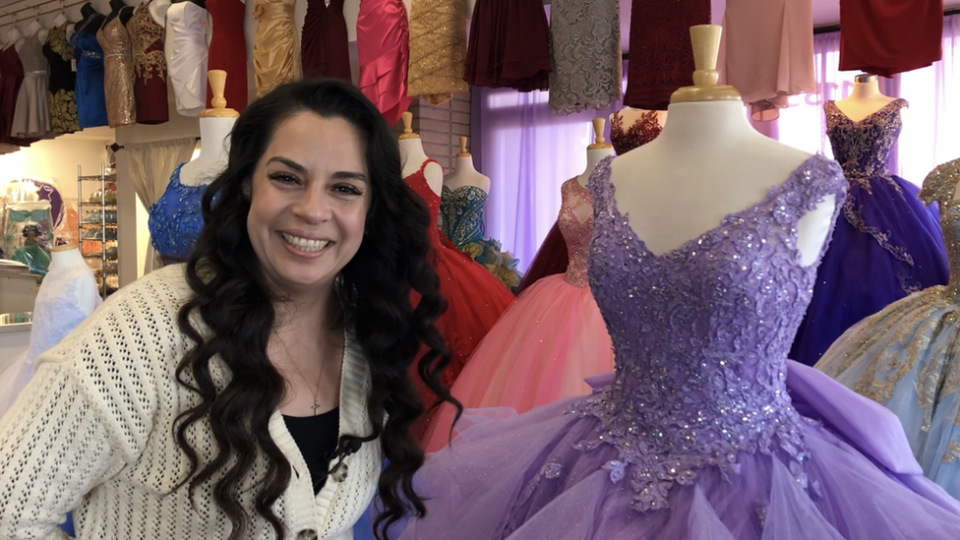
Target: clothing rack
[836,27]
[114,147]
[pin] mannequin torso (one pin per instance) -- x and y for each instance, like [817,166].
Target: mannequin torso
[464,174]
[13,36]
[594,156]
[706,164]
[60,19]
[95,19]
[36,28]
[412,158]
[158,11]
[214,151]
[118,9]
[864,100]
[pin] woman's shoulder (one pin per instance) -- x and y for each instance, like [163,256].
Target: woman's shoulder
[162,290]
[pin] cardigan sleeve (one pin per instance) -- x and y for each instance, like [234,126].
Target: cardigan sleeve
[87,413]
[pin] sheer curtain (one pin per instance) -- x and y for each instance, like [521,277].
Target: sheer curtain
[151,165]
[528,153]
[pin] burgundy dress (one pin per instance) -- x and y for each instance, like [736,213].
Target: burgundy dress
[11,77]
[509,45]
[228,51]
[661,57]
[886,37]
[150,67]
[324,51]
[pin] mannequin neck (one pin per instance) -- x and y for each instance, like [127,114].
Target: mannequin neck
[87,10]
[13,35]
[594,157]
[866,91]
[33,28]
[69,258]
[117,5]
[214,151]
[60,19]
[464,164]
[411,151]
[705,124]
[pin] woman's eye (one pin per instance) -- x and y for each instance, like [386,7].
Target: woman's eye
[284,178]
[348,189]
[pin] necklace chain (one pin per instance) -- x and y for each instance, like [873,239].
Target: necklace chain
[316,393]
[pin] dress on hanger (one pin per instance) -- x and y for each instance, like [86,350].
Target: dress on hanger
[586,68]
[32,116]
[91,100]
[150,67]
[705,431]
[276,46]
[475,298]
[326,52]
[552,256]
[61,101]
[661,55]
[906,357]
[187,64]
[886,37]
[509,45]
[545,344]
[886,246]
[383,52]
[176,219]
[118,73]
[438,46]
[11,77]
[462,213]
[227,39]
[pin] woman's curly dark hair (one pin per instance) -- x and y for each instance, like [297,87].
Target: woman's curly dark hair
[233,300]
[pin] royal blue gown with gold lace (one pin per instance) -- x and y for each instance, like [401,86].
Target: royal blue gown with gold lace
[461,212]
[886,244]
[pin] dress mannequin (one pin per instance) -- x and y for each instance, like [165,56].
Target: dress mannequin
[13,34]
[36,28]
[464,174]
[596,151]
[706,164]
[61,17]
[215,126]
[158,11]
[412,156]
[87,10]
[865,99]
[119,9]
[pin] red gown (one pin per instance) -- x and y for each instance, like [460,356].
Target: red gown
[324,51]
[475,297]
[886,37]
[383,50]
[228,51]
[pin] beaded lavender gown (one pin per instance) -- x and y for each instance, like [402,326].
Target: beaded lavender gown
[705,430]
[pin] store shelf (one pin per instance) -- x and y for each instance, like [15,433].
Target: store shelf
[102,203]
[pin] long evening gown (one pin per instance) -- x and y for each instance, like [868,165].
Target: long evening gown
[887,37]
[276,46]
[907,357]
[150,67]
[326,50]
[383,51]
[118,76]
[546,343]
[705,431]
[462,224]
[187,63]
[475,298]
[887,244]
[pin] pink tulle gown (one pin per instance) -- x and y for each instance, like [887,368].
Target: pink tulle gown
[546,343]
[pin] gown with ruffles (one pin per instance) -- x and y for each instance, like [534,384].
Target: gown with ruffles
[705,430]
[886,245]
[907,356]
[276,46]
[383,51]
[187,63]
[546,343]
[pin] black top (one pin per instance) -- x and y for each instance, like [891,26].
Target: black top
[316,436]
[59,55]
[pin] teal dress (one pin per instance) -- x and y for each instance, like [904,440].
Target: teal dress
[461,221]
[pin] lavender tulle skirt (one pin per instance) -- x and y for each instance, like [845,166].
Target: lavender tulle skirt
[498,481]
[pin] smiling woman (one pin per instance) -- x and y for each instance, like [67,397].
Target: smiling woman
[263,382]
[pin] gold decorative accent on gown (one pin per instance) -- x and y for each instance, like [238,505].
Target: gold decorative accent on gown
[63,112]
[438,49]
[117,73]
[146,34]
[276,49]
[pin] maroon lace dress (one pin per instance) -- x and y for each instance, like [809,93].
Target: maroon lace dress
[150,67]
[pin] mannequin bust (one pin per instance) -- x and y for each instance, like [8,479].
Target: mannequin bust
[464,174]
[215,126]
[61,17]
[596,151]
[158,11]
[201,3]
[13,35]
[706,164]
[36,28]
[168,36]
[865,99]
[412,156]
[119,9]
[96,18]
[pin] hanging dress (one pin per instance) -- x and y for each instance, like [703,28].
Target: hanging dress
[150,67]
[187,64]
[118,73]
[32,116]
[61,100]
[89,91]
[438,46]
[509,45]
[276,46]
[886,37]
[383,52]
[227,39]
[586,67]
[326,51]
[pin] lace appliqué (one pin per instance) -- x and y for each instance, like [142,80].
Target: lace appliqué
[176,219]
[57,40]
[645,129]
[575,233]
[147,38]
[940,186]
[585,55]
[63,112]
[701,360]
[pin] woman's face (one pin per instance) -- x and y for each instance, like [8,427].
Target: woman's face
[309,196]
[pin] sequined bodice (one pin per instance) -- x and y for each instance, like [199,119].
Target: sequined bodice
[645,129]
[701,335]
[862,148]
[576,233]
[940,186]
[462,212]
[31,56]
[175,219]
[418,182]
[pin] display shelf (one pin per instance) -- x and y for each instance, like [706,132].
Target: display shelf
[100,231]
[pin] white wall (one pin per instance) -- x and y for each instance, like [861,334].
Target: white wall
[56,159]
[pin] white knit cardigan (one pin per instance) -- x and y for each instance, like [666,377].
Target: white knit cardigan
[93,432]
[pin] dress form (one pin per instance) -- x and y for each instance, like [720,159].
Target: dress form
[412,156]
[215,126]
[864,100]
[464,173]
[13,35]
[596,151]
[158,11]
[119,9]
[706,164]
